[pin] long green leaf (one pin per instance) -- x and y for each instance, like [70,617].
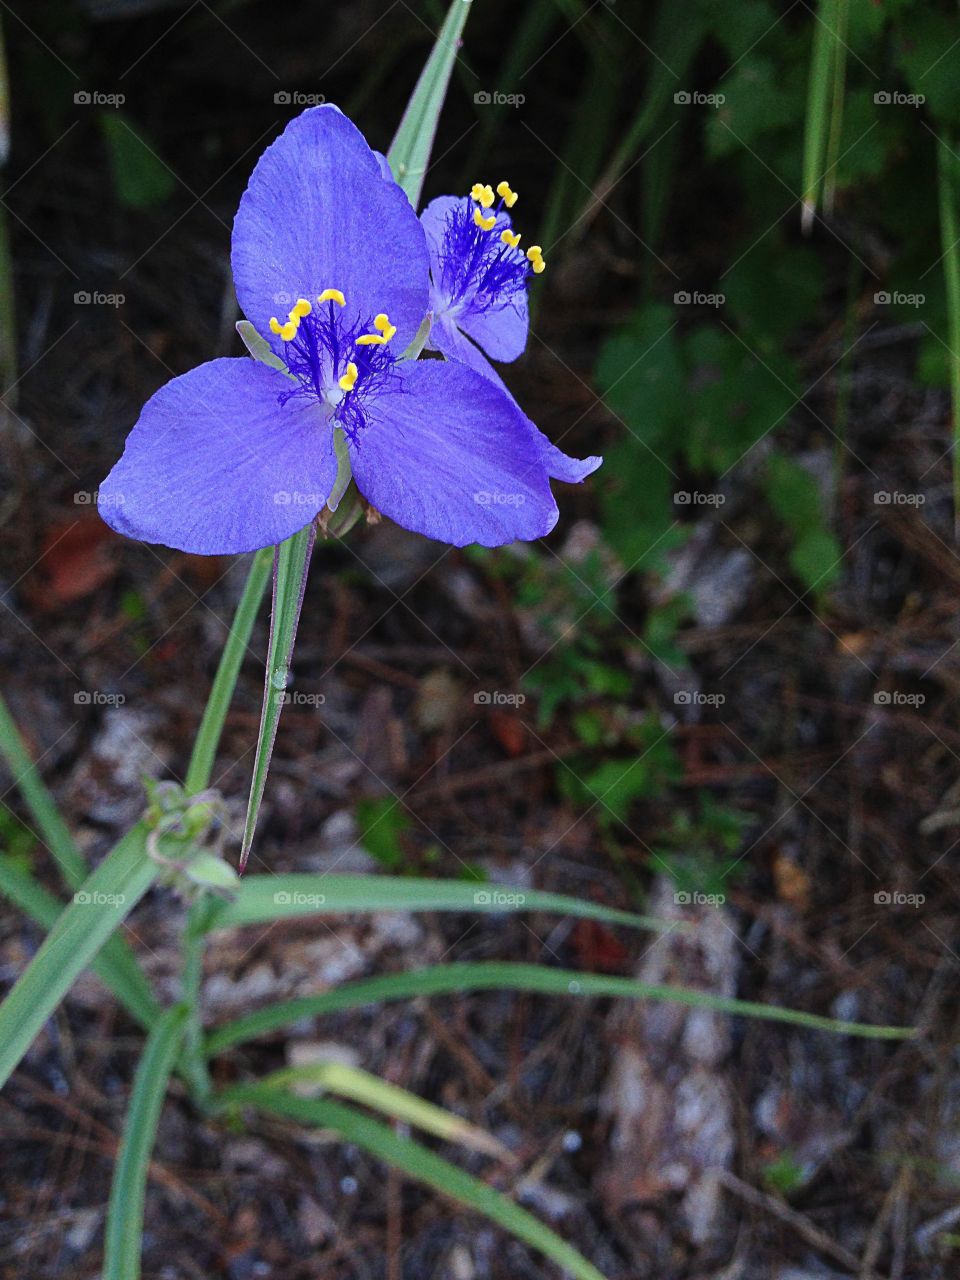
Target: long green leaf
[124,1230]
[372,1091]
[817,122]
[43,808]
[98,909]
[225,681]
[409,152]
[116,965]
[290,566]
[426,1167]
[260,899]
[444,979]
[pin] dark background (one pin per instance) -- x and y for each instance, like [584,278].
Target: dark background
[737,655]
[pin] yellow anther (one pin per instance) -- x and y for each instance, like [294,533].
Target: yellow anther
[484,223]
[539,266]
[512,238]
[275,326]
[534,252]
[386,332]
[288,331]
[301,308]
[348,379]
[332,295]
[508,196]
[486,198]
[477,190]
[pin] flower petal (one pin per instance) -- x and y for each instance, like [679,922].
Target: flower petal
[318,215]
[500,330]
[446,338]
[448,455]
[216,465]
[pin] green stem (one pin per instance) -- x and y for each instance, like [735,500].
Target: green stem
[225,681]
[193,1059]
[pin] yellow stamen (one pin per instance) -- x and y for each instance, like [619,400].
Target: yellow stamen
[476,191]
[485,224]
[512,238]
[539,266]
[348,379]
[275,326]
[301,308]
[387,330]
[534,252]
[508,196]
[288,331]
[332,295]
[486,198]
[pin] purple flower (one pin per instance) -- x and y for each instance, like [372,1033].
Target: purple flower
[331,267]
[478,295]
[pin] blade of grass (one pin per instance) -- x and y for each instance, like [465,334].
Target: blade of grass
[261,899]
[98,910]
[426,1167]
[225,681]
[369,1090]
[43,808]
[837,89]
[116,965]
[446,979]
[817,120]
[124,1229]
[409,152]
[949,234]
[291,564]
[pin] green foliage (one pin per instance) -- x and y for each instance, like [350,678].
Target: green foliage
[698,849]
[795,496]
[613,785]
[140,178]
[382,822]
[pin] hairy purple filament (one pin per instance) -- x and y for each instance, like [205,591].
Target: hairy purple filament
[324,345]
[478,271]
